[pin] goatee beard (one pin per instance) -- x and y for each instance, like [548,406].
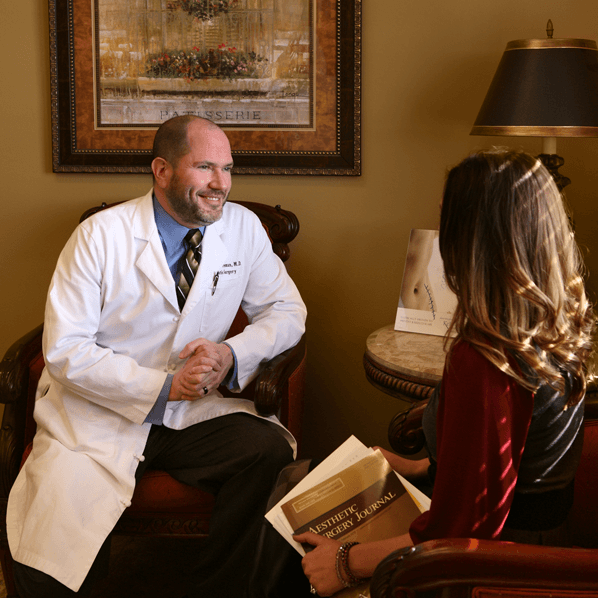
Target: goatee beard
[191,212]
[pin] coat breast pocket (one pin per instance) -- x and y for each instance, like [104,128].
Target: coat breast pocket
[223,301]
[227,275]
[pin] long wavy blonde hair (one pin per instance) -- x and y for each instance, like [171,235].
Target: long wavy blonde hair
[511,258]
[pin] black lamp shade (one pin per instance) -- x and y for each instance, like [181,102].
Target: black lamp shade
[543,88]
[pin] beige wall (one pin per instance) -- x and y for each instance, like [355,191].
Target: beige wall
[426,68]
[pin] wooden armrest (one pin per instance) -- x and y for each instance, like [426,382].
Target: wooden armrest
[439,566]
[405,432]
[270,384]
[14,368]
[14,390]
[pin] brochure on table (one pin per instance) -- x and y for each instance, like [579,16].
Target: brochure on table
[426,304]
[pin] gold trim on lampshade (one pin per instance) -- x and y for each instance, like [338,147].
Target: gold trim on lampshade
[522,44]
[509,131]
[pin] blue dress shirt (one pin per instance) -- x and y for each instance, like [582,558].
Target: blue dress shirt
[172,235]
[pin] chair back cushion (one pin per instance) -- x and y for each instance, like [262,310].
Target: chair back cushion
[583,520]
[158,492]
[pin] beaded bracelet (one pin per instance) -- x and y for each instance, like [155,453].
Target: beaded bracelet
[342,559]
[338,568]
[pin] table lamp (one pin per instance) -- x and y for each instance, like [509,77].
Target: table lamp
[544,88]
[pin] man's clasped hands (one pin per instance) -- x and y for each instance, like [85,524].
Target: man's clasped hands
[206,367]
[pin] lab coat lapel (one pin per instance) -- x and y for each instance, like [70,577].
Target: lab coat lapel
[151,260]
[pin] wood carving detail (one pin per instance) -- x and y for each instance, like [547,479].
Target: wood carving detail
[395,386]
[381,586]
[159,526]
[405,433]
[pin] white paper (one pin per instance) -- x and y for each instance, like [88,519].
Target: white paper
[421,500]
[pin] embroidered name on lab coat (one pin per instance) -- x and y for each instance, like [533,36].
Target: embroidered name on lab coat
[229,269]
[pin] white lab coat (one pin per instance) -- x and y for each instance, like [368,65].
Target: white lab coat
[113,331]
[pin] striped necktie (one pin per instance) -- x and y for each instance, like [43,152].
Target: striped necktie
[188,265]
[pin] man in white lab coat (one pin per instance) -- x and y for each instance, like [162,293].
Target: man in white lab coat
[132,370]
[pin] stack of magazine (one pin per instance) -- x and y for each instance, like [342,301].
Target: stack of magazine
[353,495]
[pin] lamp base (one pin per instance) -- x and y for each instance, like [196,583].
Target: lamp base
[552,162]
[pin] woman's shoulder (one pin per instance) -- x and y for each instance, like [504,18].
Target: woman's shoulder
[466,362]
[464,353]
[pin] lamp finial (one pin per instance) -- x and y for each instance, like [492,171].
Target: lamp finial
[549,29]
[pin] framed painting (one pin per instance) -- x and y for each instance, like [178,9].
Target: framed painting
[282,78]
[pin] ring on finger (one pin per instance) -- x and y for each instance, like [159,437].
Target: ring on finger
[312,589]
[205,390]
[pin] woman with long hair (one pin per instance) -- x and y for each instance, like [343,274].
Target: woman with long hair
[503,428]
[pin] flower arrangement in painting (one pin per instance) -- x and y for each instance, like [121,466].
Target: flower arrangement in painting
[202,10]
[224,63]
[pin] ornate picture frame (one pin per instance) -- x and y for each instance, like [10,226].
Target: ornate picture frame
[285,84]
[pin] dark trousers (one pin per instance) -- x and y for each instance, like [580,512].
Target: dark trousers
[237,458]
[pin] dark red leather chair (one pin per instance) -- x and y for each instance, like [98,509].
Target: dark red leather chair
[161,506]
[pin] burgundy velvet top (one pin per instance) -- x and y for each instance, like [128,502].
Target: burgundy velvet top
[482,423]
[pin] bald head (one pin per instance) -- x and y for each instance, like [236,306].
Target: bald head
[172,142]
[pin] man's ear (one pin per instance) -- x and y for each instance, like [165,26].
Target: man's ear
[162,172]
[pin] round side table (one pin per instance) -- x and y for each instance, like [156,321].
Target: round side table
[406,365]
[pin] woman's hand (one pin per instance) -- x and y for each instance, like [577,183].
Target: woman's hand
[319,565]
